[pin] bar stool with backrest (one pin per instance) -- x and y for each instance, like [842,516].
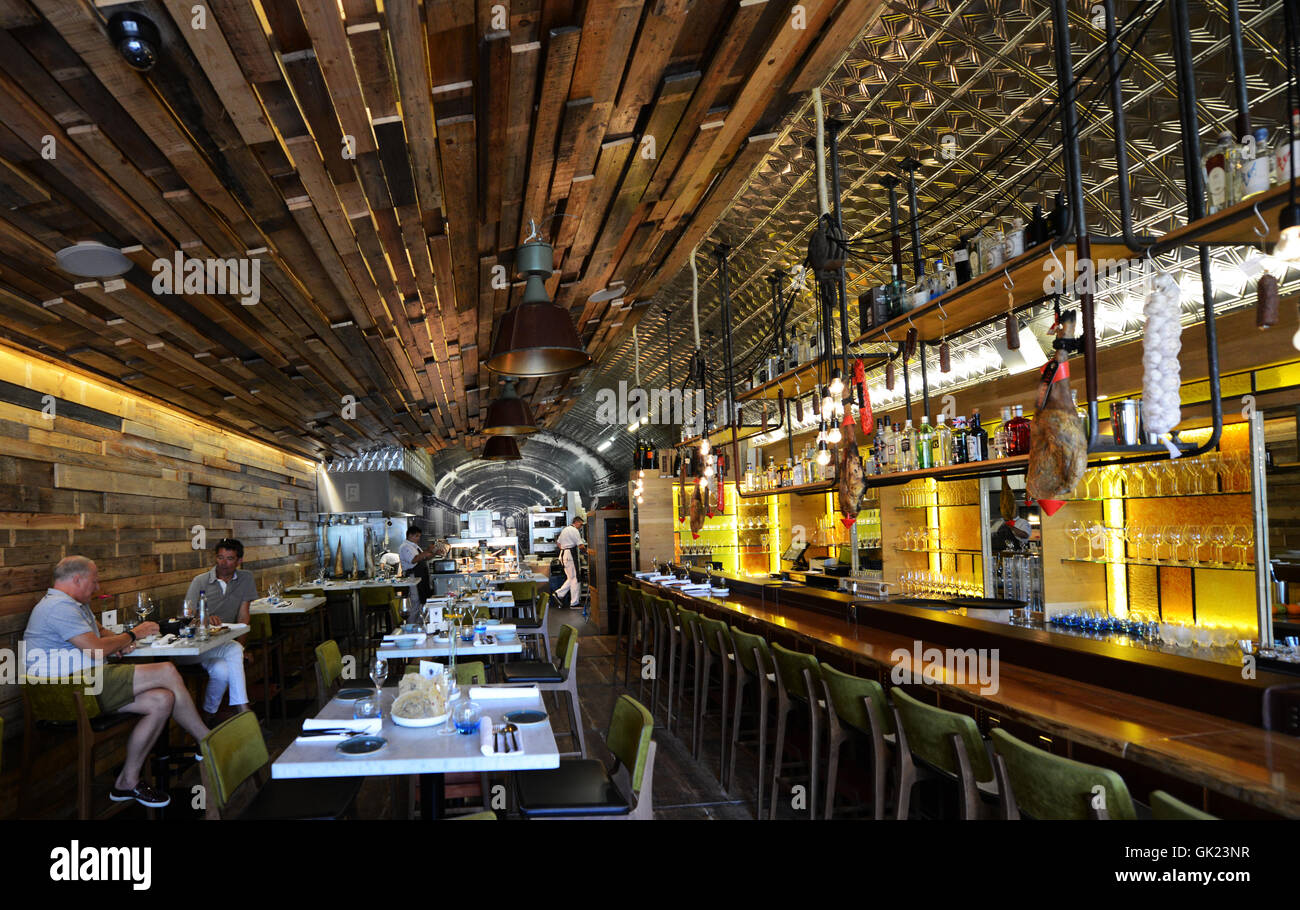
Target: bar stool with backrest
[234,755]
[561,678]
[716,636]
[300,628]
[797,686]
[377,610]
[1168,808]
[638,632]
[525,594]
[947,745]
[856,707]
[534,629]
[692,647]
[341,613]
[753,661]
[586,788]
[63,705]
[665,652]
[622,642]
[1046,787]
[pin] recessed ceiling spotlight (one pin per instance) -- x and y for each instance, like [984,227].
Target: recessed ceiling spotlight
[92,259]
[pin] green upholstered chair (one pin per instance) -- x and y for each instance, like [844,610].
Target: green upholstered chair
[468,672]
[1168,808]
[558,678]
[65,705]
[329,668]
[797,687]
[267,648]
[948,745]
[585,788]
[753,662]
[856,706]
[716,637]
[1051,787]
[236,775]
[487,815]
[525,594]
[534,629]
[377,609]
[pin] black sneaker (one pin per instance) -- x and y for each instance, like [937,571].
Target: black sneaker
[142,794]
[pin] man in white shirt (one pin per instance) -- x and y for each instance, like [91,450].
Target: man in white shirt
[229,594]
[414,560]
[569,541]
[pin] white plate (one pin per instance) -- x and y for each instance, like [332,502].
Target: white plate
[420,721]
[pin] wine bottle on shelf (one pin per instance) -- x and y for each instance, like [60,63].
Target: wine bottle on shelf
[942,456]
[961,260]
[1037,226]
[907,450]
[1018,433]
[960,452]
[977,440]
[925,445]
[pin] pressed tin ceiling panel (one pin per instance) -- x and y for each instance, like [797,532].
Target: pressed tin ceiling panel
[982,72]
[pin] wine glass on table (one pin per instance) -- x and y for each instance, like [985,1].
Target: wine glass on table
[378,673]
[143,607]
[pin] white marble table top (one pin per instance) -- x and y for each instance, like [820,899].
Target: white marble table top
[427,647]
[421,750]
[187,647]
[292,605]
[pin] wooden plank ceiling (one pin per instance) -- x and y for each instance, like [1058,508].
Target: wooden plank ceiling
[380,160]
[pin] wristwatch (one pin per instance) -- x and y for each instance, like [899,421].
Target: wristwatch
[131,632]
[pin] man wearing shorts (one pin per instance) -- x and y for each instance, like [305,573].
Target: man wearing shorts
[63,636]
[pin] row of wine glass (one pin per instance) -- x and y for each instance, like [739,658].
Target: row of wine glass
[1180,544]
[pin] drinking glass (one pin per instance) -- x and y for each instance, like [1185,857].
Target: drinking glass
[1240,468]
[1218,535]
[1074,531]
[1242,537]
[1096,538]
[1194,535]
[378,672]
[367,708]
[1174,534]
[1135,536]
[1156,535]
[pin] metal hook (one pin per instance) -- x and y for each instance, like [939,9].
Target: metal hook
[1258,233]
[943,314]
[532,231]
[1009,278]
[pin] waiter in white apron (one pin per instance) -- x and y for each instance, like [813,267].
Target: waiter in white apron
[569,541]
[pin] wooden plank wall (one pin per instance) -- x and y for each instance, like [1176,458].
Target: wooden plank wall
[123,480]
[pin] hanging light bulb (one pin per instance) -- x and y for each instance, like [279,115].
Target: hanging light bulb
[708,471]
[828,403]
[833,436]
[823,453]
[837,385]
[641,475]
[704,446]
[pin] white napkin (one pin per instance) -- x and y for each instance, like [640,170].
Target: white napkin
[485,735]
[501,627]
[486,693]
[400,636]
[166,641]
[370,727]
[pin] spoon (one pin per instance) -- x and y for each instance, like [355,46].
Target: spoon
[511,730]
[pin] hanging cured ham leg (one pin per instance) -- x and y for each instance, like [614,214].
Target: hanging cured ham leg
[1058,450]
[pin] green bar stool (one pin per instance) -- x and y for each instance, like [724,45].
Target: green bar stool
[665,622]
[948,745]
[692,645]
[1050,787]
[329,667]
[797,685]
[716,636]
[534,629]
[857,706]
[1168,808]
[640,633]
[753,661]
[621,642]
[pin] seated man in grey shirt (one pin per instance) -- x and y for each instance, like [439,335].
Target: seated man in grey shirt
[229,594]
[63,639]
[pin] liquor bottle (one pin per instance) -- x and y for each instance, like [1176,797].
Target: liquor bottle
[891,448]
[961,260]
[925,445]
[960,454]
[1037,226]
[1000,441]
[1016,238]
[1284,149]
[202,634]
[1018,433]
[1059,221]
[772,481]
[1217,171]
[977,440]
[942,456]
[907,449]
[787,474]
[895,292]
[1254,165]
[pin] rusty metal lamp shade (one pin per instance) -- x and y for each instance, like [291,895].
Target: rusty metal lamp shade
[510,415]
[501,448]
[536,338]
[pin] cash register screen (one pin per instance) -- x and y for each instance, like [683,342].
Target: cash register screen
[794,552]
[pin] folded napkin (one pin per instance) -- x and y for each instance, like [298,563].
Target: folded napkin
[485,738]
[370,727]
[487,693]
[501,627]
[402,636]
[165,641]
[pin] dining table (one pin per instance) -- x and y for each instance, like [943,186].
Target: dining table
[434,646]
[425,752]
[287,606]
[185,650]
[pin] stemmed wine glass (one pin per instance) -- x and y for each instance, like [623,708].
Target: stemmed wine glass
[1219,536]
[1242,538]
[1074,531]
[1096,538]
[1135,536]
[1174,534]
[1193,534]
[378,673]
[143,607]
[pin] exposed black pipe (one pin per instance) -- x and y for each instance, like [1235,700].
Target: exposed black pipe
[1238,68]
[925,383]
[1074,193]
[918,264]
[895,241]
[1185,70]
[1121,130]
[833,127]
[722,252]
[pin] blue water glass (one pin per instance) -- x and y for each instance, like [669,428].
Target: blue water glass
[480,627]
[466,714]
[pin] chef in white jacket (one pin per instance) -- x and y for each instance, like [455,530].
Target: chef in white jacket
[569,541]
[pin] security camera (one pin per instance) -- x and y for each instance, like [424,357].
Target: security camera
[136,39]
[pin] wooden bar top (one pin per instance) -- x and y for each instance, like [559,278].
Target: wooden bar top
[1240,761]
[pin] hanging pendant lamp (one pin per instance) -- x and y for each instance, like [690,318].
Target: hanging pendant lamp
[510,415]
[536,337]
[501,448]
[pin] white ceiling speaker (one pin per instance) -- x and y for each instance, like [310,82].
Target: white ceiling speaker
[614,291]
[92,259]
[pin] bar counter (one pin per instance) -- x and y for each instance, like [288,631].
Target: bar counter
[1229,756]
